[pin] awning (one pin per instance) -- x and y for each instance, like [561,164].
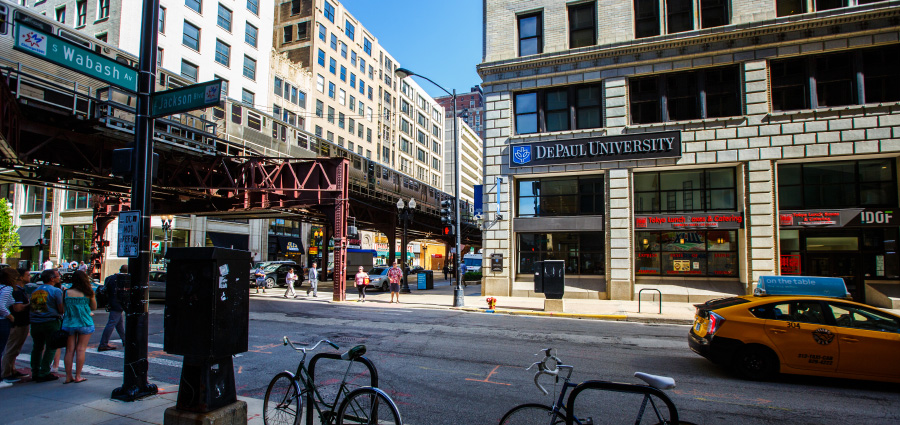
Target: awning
[29,235]
[229,240]
[290,245]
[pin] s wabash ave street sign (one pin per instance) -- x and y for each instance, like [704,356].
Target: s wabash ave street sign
[129,234]
[188,98]
[63,53]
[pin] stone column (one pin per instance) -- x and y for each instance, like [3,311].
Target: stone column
[619,274]
[496,239]
[763,258]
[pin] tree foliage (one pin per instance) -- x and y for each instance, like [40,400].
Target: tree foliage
[9,237]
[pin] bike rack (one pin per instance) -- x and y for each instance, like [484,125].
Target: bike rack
[650,289]
[373,373]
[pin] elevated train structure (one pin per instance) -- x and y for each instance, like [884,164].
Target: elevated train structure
[59,128]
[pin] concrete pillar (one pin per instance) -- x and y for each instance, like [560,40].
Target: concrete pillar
[761,222]
[620,266]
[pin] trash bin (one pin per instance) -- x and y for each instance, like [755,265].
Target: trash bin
[550,278]
[425,279]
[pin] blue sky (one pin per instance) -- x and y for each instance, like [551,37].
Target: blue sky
[438,39]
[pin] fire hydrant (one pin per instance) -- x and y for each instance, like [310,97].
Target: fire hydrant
[492,302]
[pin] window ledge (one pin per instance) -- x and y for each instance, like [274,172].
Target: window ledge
[101,20]
[520,137]
[683,122]
[831,109]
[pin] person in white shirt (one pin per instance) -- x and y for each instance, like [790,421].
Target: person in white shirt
[48,265]
[290,279]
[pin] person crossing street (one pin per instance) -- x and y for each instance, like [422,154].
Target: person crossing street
[290,279]
[395,275]
[313,281]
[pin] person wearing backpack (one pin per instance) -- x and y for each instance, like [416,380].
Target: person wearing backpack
[46,310]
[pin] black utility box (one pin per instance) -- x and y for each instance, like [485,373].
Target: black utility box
[207,302]
[550,278]
[425,280]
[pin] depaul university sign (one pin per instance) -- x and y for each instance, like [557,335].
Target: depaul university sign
[596,149]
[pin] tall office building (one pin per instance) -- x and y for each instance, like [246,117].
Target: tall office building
[471,166]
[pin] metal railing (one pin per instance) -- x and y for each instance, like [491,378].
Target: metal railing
[650,289]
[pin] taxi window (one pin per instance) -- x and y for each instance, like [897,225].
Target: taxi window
[851,316]
[792,311]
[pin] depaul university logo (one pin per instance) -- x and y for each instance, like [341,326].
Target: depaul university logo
[34,41]
[521,154]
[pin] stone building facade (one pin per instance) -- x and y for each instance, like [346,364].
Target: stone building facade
[694,147]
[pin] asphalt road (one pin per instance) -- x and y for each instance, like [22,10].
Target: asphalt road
[450,367]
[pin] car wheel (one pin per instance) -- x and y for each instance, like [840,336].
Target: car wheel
[384,287]
[755,363]
[270,283]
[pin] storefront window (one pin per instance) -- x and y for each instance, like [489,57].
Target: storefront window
[685,191]
[583,252]
[76,243]
[710,253]
[840,184]
[77,200]
[159,244]
[282,227]
[560,197]
[34,197]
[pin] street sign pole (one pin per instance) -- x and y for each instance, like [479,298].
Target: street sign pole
[135,385]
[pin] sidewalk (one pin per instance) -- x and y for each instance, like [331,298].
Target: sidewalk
[89,403]
[441,297]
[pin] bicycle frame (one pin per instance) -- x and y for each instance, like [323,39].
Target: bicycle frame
[648,392]
[309,380]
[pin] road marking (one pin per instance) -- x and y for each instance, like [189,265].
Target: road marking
[149,344]
[487,379]
[84,369]
[449,371]
[121,355]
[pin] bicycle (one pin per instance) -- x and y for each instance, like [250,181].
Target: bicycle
[559,413]
[366,405]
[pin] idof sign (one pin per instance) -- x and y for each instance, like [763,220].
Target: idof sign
[857,217]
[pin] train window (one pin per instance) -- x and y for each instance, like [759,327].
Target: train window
[218,113]
[236,112]
[275,130]
[34,23]
[385,174]
[253,121]
[357,163]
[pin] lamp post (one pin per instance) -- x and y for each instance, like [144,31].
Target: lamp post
[458,299]
[406,215]
[166,228]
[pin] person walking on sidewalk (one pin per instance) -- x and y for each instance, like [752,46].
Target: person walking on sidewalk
[361,282]
[260,279]
[115,309]
[80,301]
[7,283]
[290,279]
[19,332]
[313,281]
[395,275]
[47,309]
[446,270]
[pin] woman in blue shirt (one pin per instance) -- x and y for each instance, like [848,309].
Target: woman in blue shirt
[80,301]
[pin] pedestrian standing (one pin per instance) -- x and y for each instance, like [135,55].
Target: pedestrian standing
[19,332]
[313,281]
[47,309]
[394,276]
[260,279]
[82,266]
[446,270]
[80,301]
[290,279]
[115,308]
[8,278]
[47,265]
[361,281]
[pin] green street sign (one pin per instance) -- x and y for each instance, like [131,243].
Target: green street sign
[187,98]
[72,56]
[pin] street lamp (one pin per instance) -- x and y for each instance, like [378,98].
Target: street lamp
[166,227]
[458,299]
[406,215]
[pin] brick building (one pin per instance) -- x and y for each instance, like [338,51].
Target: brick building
[469,106]
[693,146]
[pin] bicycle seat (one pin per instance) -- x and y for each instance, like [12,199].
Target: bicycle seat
[655,381]
[354,353]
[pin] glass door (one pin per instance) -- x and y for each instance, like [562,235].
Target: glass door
[845,265]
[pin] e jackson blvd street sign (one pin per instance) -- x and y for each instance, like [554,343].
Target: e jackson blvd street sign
[63,53]
[188,98]
[596,149]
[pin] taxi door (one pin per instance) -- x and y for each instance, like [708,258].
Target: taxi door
[800,334]
[869,340]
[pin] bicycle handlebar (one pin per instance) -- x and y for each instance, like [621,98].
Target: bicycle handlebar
[544,370]
[287,341]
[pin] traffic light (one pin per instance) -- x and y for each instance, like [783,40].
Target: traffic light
[448,218]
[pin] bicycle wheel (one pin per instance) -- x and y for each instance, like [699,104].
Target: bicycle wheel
[532,413]
[283,401]
[369,406]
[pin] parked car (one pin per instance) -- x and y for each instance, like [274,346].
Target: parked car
[378,279]
[158,284]
[266,265]
[276,274]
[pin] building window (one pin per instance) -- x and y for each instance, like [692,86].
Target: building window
[318,131]
[848,78]
[679,16]
[320,108]
[350,30]
[296,6]
[34,199]
[582,25]
[321,58]
[320,83]
[436,163]
[710,253]
[102,9]
[303,31]
[422,120]
[420,155]
[251,34]
[583,252]
[159,59]
[323,33]
[332,64]
[343,50]
[569,196]
[61,16]
[329,11]
[75,243]
[288,34]
[685,191]
[331,115]
[795,7]
[253,6]
[223,53]
[196,5]
[191,36]
[840,184]
[708,93]
[367,46]
[342,96]
[224,18]
[189,70]
[77,200]
[162,20]
[249,67]
[333,43]
[247,97]
[101,37]
[565,108]
[435,147]
[530,34]
[420,137]
[81,11]
[331,89]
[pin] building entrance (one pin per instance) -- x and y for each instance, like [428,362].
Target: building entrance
[845,265]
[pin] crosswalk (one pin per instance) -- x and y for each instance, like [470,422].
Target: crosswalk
[155,357]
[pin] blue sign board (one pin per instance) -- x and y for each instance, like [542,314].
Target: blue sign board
[802,285]
[479,199]
[421,283]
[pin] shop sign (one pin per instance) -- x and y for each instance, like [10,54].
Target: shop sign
[596,149]
[154,246]
[790,264]
[726,221]
[292,247]
[860,217]
[802,285]
[313,250]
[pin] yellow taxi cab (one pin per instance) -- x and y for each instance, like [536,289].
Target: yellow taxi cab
[798,325]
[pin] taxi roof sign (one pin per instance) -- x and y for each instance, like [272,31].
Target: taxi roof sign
[802,285]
